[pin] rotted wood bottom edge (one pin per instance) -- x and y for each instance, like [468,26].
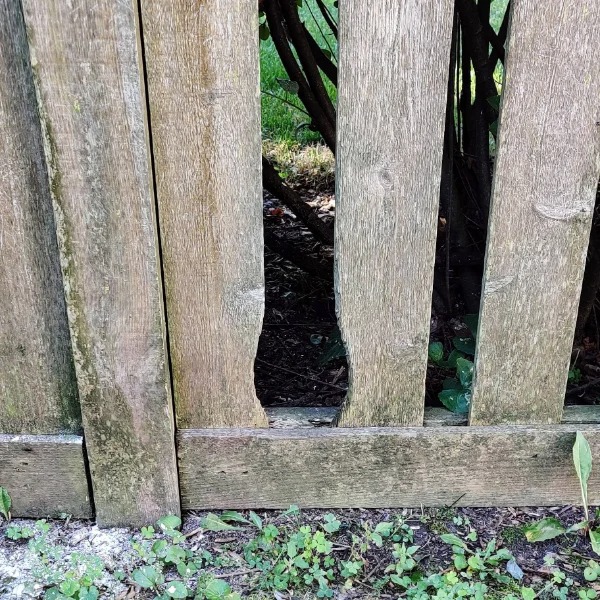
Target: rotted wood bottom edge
[383,467]
[45,475]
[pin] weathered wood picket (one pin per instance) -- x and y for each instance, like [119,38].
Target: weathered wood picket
[131,263]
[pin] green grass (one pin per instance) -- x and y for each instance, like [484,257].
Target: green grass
[280,121]
[284,123]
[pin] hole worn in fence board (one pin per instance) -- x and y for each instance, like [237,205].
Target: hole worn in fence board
[383,467]
[392,98]
[545,184]
[203,88]
[38,392]
[87,65]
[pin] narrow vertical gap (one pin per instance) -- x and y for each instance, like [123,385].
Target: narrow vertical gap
[475,85]
[301,359]
[158,237]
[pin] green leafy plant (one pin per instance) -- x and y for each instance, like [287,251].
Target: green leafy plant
[550,527]
[456,392]
[5,503]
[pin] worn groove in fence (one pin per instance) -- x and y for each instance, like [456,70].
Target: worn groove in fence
[380,467]
[38,392]
[203,87]
[45,475]
[87,66]
[545,184]
[392,96]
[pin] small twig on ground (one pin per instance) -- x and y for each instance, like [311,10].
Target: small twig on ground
[264,362]
[580,388]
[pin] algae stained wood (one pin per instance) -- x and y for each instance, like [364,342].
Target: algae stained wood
[542,203]
[45,475]
[383,467]
[392,97]
[203,88]
[88,73]
[38,392]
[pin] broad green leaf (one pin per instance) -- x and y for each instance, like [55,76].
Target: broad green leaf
[90,593]
[263,32]
[456,401]
[464,344]
[5,503]
[212,522]
[289,86]
[187,569]
[472,322]
[145,577]
[528,593]
[436,352]
[453,540]
[175,555]
[216,589]
[170,522]
[233,516]
[69,587]
[453,358]
[494,102]
[595,539]
[464,370]
[582,458]
[176,589]
[255,519]
[546,529]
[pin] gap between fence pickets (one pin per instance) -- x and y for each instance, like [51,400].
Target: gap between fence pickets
[284,417]
[45,475]
[383,467]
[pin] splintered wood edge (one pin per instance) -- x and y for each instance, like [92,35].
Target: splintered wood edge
[307,416]
[45,475]
[383,467]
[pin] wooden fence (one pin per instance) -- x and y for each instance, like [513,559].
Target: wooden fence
[131,263]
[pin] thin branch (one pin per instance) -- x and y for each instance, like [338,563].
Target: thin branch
[328,17]
[285,101]
[309,65]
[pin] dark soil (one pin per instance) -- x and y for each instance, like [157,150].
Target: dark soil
[300,320]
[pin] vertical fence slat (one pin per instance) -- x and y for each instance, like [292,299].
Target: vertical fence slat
[394,61]
[542,203]
[203,87]
[38,392]
[85,56]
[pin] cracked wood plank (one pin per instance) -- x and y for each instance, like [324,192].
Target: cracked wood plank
[87,64]
[38,391]
[203,89]
[543,197]
[392,104]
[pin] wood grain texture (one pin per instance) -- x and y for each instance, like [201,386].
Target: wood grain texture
[391,107]
[546,176]
[203,87]
[45,475]
[383,467]
[87,64]
[38,392]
